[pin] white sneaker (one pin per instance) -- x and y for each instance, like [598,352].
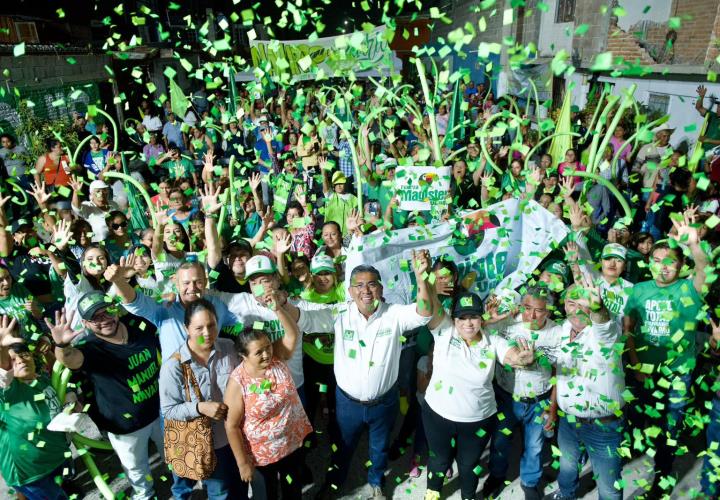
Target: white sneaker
[377,493]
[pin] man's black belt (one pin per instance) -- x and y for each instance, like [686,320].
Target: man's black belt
[371,402]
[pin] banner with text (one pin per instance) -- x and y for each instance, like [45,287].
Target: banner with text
[364,53]
[422,188]
[502,245]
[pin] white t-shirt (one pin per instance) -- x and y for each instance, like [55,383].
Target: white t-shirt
[96,217]
[533,380]
[461,385]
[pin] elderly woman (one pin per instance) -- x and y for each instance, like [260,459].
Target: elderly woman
[211,361]
[266,423]
[32,459]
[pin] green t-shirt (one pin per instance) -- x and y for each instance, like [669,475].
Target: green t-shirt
[338,207]
[28,451]
[666,320]
[180,168]
[14,306]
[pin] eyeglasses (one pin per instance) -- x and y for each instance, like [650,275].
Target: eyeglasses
[370,285]
[116,225]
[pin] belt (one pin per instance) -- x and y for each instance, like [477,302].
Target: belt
[598,420]
[536,399]
[371,402]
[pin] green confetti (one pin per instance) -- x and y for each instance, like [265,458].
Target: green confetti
[603,62]
[19,49]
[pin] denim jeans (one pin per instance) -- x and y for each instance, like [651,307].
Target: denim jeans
[601,440]
[352,417]
[529,415]
[132,450]
[710,476]
[45,488]
[224,484]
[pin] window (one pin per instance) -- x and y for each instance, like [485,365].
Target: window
[27,32]
[565,11]
[659,103]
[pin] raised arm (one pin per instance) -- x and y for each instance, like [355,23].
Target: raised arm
[421,266]
[117,275]
[210,204]
[701,91]
[688,235]
[255,182]
[6,239]
[284,347]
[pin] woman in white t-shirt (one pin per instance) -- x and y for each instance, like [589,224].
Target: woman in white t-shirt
[459,404]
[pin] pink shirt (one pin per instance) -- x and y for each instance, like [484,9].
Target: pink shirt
[579,167]
[275,423]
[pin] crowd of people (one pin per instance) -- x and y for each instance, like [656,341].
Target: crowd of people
[239,321]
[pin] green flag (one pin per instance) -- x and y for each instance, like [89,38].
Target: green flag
[178,101]
[561,143]
[455,126]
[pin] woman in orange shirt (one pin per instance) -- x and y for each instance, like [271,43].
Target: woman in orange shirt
[54,166]
[266,423]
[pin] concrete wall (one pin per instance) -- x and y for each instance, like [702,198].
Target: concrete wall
[47,70]
[553,37]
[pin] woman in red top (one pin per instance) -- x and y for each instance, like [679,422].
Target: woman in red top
[266,423]
[54,165]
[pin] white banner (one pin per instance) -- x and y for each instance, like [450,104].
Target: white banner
[503,245]
[364,53]
[422,188]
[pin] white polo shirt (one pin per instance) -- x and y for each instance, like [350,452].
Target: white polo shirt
[590,375]
[249,311]
[461,388]
[367,351]
[615,297]
[533,380]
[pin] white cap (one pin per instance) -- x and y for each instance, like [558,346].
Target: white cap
[98,184]
[259,264]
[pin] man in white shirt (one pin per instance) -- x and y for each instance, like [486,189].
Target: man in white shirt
[590,383]
[96,209]
[524,394]
[368,338]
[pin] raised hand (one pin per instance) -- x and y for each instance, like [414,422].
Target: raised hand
[283,245]
[353,221]
[209,201]
[268,218]
[492,309]
[572,252]
[421,263]
[255,181]
[76,184]
[701,91]
[7,330]
[33,308]
[62,235]
[526,353]
[41,196]
[208,160]
[685,232]
[61,331]
[567,185]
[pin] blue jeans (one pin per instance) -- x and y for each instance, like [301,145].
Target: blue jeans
[224,484]
[45,488]
[352,417]
[601,440]
[710,476]
[529,415]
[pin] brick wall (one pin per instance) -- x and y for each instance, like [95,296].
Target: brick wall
[714,47]
[626,45]
[694,35]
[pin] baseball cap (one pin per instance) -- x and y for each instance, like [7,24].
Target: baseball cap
[384,162]
[98,184]
[322,262]
[19,223]
[338,178]
[467,304]
[260,264]
[92,302]
[614,250]
[558,268]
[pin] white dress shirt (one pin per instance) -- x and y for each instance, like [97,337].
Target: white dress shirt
[590,375]
[367,351]
[533,380]
[461,388]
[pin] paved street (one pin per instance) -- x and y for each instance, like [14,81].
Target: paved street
[402,487]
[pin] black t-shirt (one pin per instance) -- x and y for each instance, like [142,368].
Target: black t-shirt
[124,378]
[223,280]
[31,272]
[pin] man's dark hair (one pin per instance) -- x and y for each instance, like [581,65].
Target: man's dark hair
[11,138]
[364,268]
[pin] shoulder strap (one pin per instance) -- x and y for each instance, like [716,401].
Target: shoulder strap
[183,367]
[189,374]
